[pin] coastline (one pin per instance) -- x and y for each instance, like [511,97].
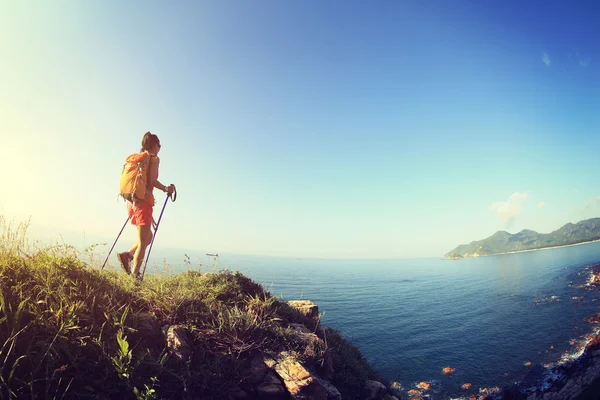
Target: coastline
[576,376]
[528,250]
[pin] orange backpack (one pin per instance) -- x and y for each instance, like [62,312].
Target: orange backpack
[134,177]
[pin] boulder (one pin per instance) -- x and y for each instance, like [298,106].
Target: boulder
[178,342]
[332,392]
[300,328]
[306,308]
[271,388]
[298,381]
[314,347]
[374,390]
[582,381]
[257,371]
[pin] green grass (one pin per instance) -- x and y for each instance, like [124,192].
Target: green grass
[69,330]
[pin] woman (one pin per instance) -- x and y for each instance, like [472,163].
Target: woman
[141,214]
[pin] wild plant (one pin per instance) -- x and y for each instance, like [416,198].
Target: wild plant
[68,330]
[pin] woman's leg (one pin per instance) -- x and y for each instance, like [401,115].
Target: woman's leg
[126,257]
[133,248]
[144,239]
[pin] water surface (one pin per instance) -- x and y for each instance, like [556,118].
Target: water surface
[484,316]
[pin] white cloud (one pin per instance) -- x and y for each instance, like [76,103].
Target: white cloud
[541,204]
[546,59]
[580,59]
[508,210]
[583,61]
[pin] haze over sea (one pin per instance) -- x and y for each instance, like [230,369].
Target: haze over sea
[485,316]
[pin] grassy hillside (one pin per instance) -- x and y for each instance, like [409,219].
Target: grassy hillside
[68,330]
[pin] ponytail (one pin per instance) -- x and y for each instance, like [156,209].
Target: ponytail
[148,141]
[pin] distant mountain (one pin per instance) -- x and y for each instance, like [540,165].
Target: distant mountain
[504,242]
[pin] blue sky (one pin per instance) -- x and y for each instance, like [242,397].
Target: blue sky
[304,128]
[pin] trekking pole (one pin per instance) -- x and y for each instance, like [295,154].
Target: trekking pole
[113,246]
[156,229]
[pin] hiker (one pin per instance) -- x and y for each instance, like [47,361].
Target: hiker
[140,211]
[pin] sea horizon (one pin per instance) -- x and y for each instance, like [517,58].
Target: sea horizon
[523,304]
[484,316]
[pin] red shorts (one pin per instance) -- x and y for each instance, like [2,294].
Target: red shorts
[140,215]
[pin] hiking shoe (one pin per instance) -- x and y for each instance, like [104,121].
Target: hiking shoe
[125,258]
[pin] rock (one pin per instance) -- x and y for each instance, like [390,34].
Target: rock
[307,336]
[300,328]
[306,308]
[294,375]
[332,392]
[373,390]
[147,325]
[321,332]
[580,381]
[272,379]
[178,342]
[297,380]
[314,346]
[286,375]
[269,361]
[271,388]
[257,371]
[389,397]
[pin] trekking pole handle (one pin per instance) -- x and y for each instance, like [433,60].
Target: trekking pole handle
[173,195]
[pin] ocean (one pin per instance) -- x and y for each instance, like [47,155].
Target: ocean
[485,317]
